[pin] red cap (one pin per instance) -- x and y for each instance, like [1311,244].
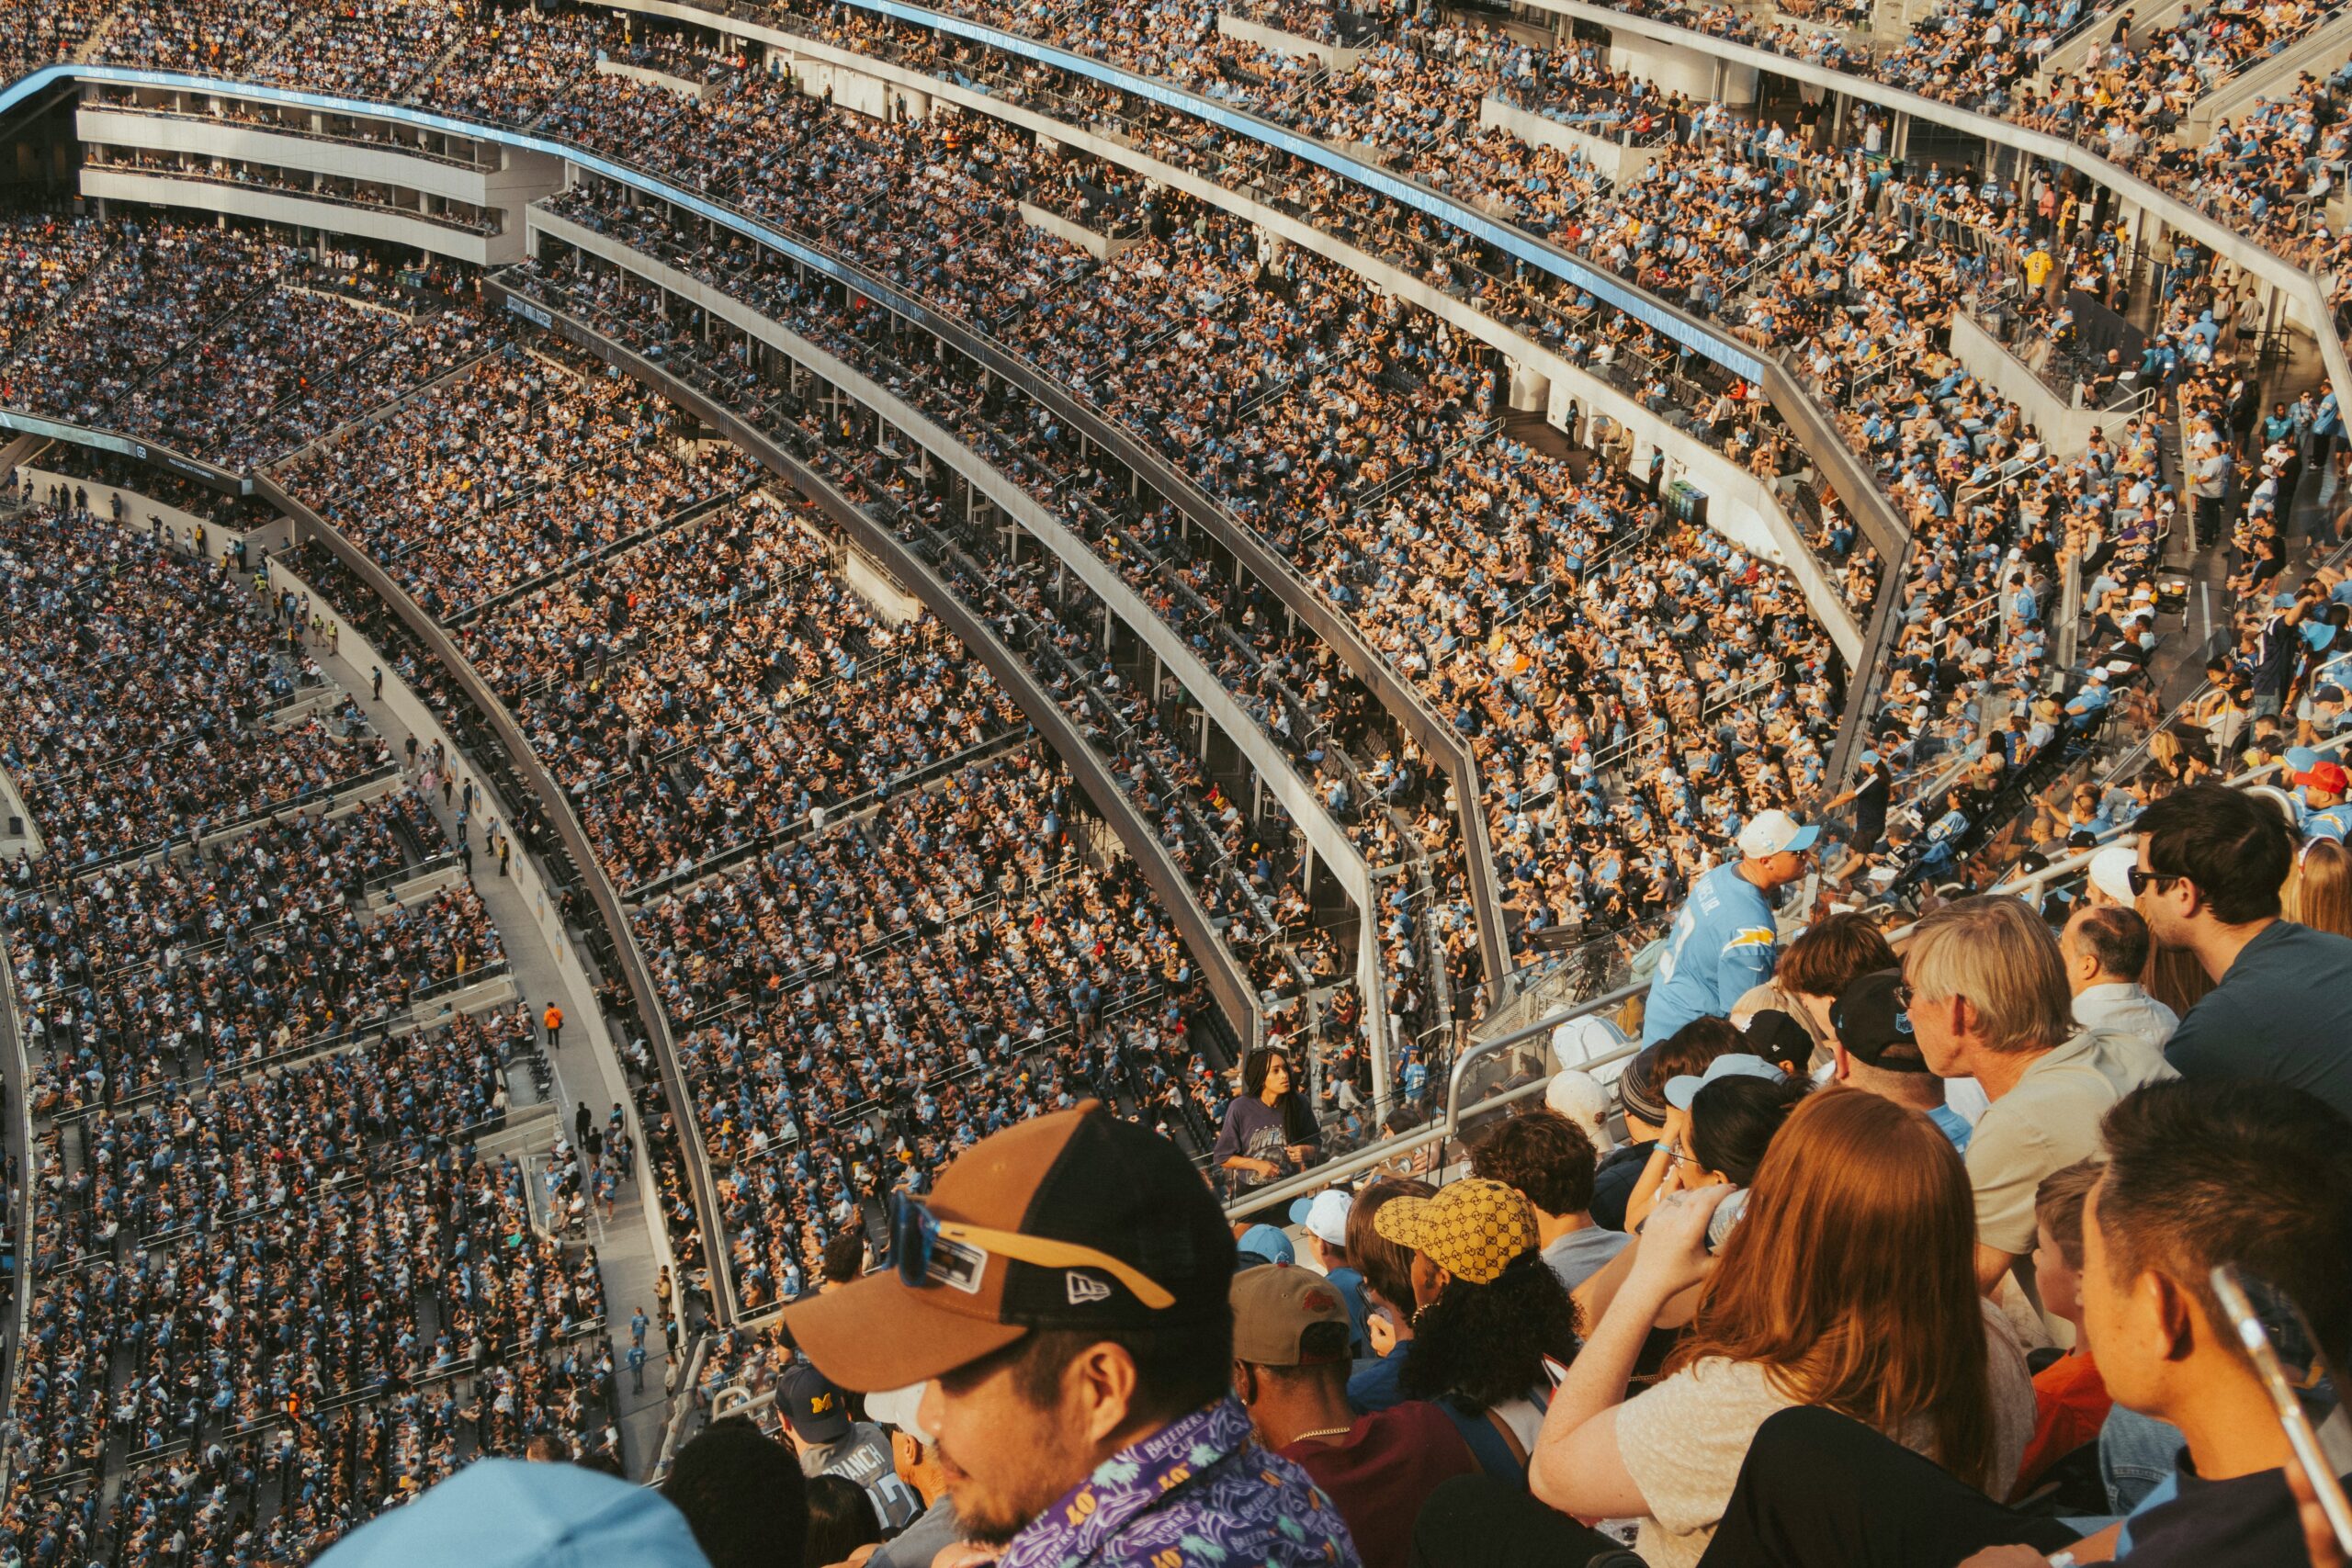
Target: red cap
[2327,776]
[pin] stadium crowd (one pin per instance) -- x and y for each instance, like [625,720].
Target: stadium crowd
[2058,1282]
[139,689]
[1602,660]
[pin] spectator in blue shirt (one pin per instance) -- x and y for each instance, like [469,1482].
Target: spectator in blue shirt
[1723,941]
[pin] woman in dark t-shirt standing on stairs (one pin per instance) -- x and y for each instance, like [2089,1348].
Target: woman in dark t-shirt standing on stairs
[1269,1132]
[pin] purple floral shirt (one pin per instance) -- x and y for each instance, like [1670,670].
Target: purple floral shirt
[1197,1493]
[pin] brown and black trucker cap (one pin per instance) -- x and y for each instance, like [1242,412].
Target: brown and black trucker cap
[1080,1176]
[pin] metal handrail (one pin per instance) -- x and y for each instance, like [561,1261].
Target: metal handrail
[1337,630]
[1450,1125]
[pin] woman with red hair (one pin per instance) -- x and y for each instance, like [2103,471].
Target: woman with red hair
[1849,1283]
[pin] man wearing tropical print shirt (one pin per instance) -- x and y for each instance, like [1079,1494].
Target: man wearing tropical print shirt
[1063,1298]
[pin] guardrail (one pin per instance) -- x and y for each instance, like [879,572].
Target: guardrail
[557,809]
[131,447]
[1457,1117]
[1231,989]
[18,1137]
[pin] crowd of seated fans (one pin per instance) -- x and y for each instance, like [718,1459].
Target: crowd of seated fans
[274,1286]
[692,710]
[1712,170]
[948,966]
[139,685]
[285,1376]
[244,347]
[1284,965]
[436,489]
[1610,790]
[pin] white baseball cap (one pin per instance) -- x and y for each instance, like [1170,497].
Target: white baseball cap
[1579,1096]
[1776,832]
[1324,1217]
[2110,871]
[897,1407]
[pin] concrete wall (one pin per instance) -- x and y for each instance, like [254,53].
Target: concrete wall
[2065,428]
[872,583]
[1297,45]
[1612,159]
[275,207]
[521,172]
[1099,246]
[1683,68]
[699,91]
[26,839]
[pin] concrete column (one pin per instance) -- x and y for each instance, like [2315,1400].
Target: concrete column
[1531,391]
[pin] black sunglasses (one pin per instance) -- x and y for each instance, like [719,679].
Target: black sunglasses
[2140,880]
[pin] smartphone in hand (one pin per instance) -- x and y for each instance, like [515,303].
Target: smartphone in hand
[2304,1389]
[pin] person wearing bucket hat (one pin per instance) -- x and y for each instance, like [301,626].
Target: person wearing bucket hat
[1724,941]
[1489,1315]
[1063,1293]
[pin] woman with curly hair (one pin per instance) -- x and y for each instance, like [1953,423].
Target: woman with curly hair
[1488,1316]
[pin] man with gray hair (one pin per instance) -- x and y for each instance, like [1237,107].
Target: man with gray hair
[1986,991]
[2106,950]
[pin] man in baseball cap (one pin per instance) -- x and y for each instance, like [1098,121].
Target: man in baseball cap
[1063,1293]
[2324,785]
[1724,943]
[1876,1052]
[1290,1371]
[829,1442]
[1324,1219]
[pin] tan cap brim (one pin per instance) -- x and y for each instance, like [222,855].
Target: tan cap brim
[874,1334]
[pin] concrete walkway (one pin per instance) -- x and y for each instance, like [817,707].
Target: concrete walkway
[586,1069]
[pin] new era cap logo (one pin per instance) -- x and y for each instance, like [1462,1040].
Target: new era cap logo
[1084,1288]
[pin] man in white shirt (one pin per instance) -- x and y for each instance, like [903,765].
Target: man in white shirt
[2106,950]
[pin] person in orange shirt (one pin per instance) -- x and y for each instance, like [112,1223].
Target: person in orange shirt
[554,1021]
[2070,1398]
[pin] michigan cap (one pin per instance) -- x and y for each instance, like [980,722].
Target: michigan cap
[819,1411]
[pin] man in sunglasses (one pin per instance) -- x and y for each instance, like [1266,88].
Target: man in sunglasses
[2211,863]
[1064,1296]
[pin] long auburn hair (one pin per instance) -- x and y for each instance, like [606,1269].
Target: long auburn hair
[2319,890]
[1853,1278]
